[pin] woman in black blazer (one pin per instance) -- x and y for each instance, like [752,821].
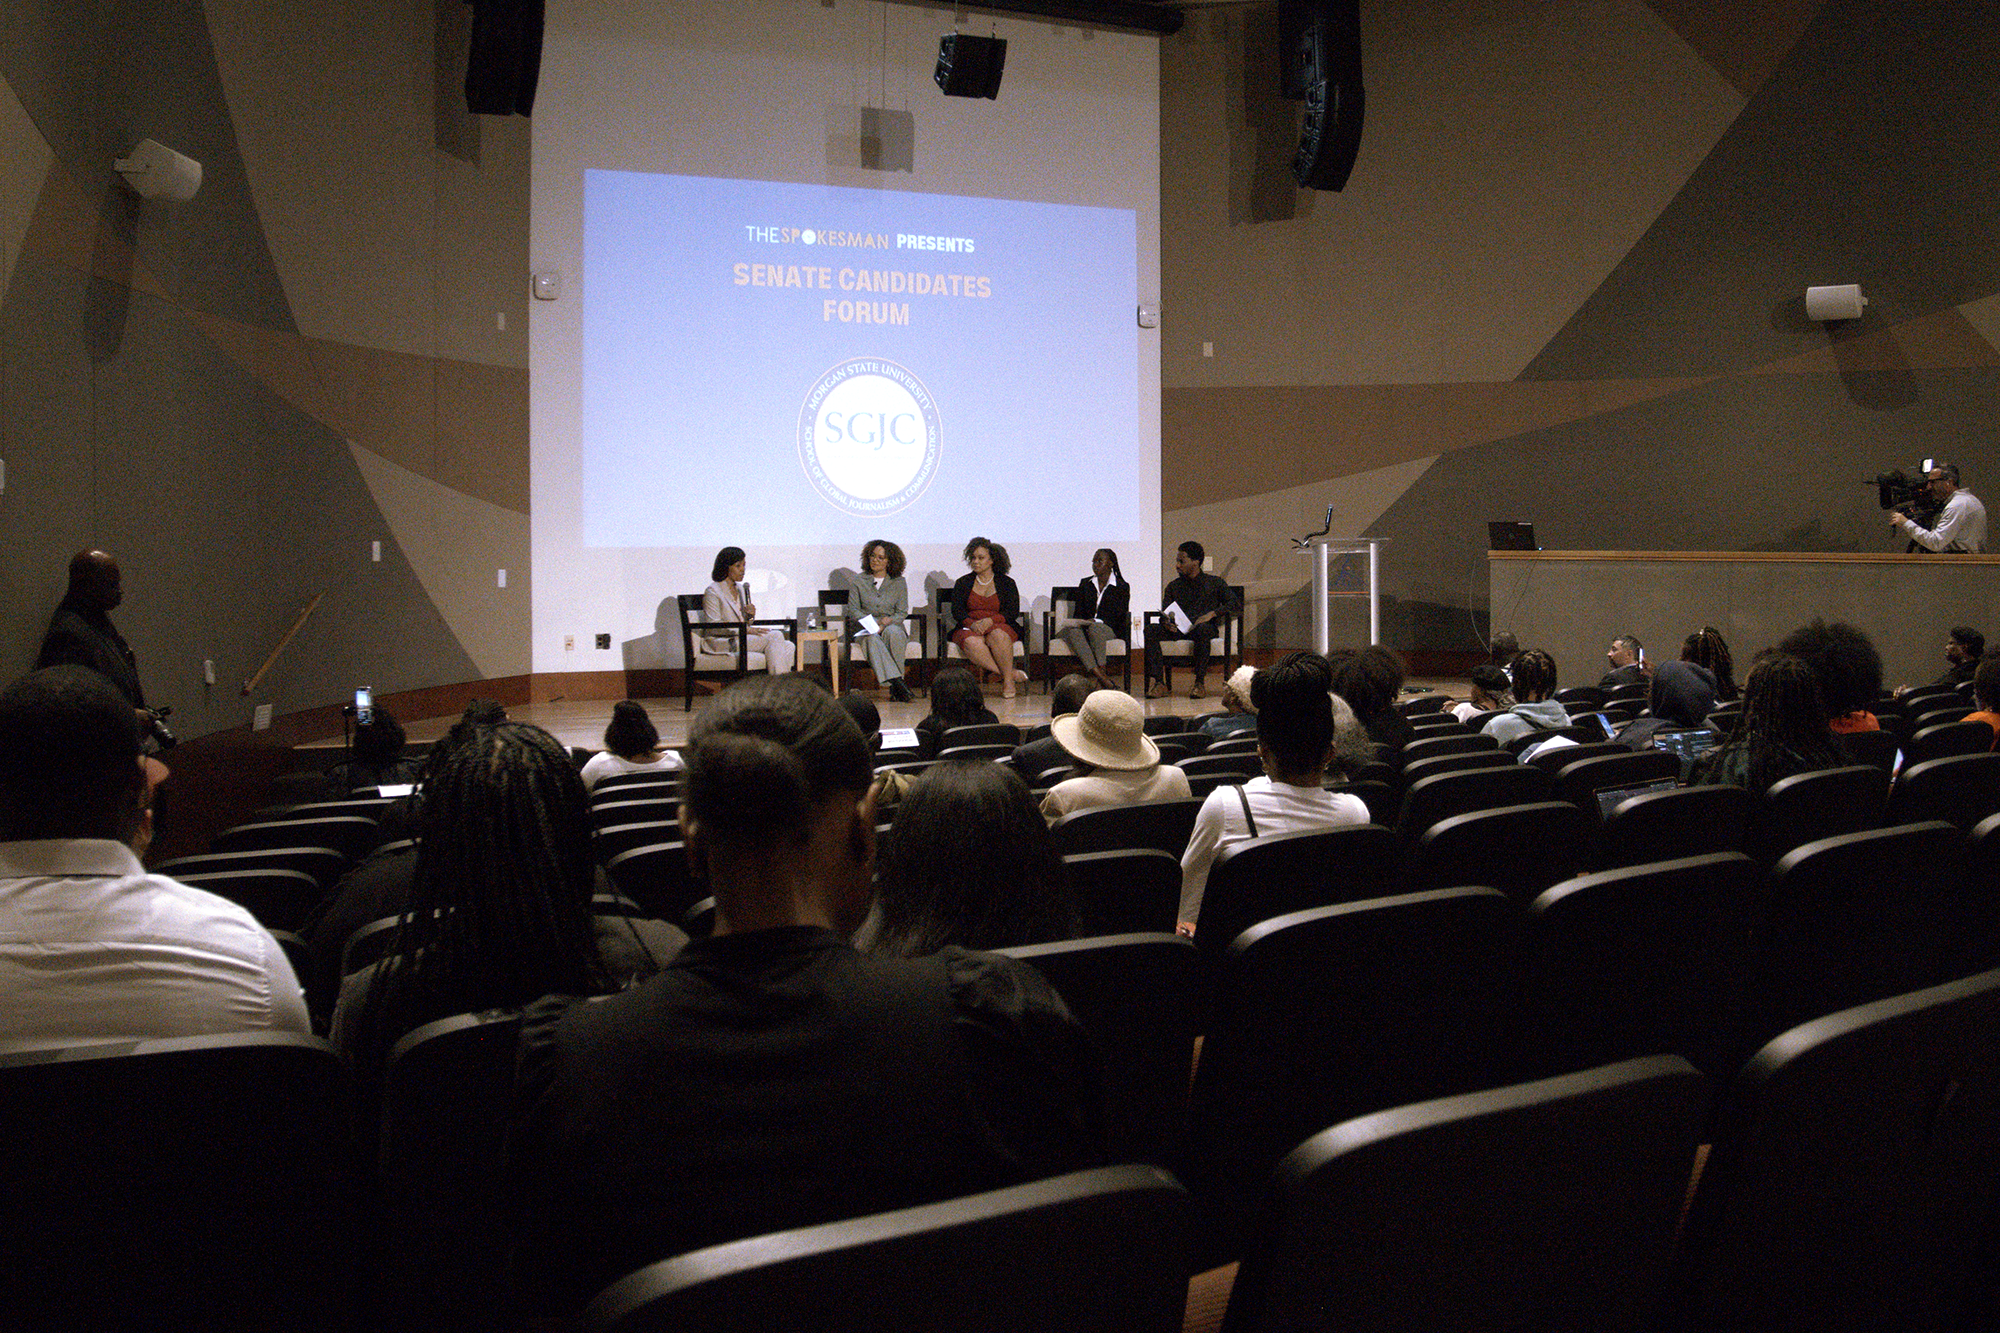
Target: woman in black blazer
[1102,611]
[986,613]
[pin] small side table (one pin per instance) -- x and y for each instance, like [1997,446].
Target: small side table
[831,638]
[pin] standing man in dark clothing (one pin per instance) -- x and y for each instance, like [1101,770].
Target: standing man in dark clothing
[1202,598]
[81,632]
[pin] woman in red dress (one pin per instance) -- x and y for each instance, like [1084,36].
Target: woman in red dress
[986,613]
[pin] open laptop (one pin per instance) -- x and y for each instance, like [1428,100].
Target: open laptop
[1507,535]
[1608,800]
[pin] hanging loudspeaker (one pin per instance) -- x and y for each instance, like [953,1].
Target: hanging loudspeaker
[969,66]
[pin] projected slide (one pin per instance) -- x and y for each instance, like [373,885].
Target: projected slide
[774,364]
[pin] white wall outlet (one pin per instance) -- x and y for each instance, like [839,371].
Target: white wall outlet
[569,643]
[208,670]
[1208,349]
[375,552]
[260,718]
[503,578]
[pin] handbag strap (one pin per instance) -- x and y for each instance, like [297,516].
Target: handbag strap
[1248,818]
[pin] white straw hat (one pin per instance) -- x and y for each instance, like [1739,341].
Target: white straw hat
[1110,732]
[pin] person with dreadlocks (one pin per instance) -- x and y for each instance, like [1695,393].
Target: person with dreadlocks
[1706,648]
[773,1076]
[499,912]
[1783,730]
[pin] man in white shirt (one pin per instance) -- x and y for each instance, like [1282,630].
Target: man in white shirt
[92,948]
[1961,525]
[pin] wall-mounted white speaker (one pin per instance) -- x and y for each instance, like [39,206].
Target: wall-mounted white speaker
[1828,303]
[156,171]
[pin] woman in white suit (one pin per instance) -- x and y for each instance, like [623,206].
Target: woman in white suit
[727,599]
[879,591]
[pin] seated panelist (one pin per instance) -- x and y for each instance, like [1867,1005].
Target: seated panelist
[879,592]
[727,600]
[986,613]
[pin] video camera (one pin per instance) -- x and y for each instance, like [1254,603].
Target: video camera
[1909,496]
[157,728]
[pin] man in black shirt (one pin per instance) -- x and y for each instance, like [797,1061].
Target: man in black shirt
[81,632]
[1203,598]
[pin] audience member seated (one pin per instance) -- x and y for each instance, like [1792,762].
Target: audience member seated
[1707,648]
[1623,659]
[1491,692]
[774,1077]
[1107,737]
[955,702]
[970,862]
[92,948]
[1986,692]
[1682,693]
[889,787]
[631,745]
[1352,750]
[1039,756]
[1295,741]
[1370,680]
[1962,654]
[1846,666]
[1238,717]
[1783,730]
[1535,707]
[1502,651]
[377,759]
[499,910]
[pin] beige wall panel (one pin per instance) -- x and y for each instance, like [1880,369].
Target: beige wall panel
[281,361]
[379,239]
[482,432]
[1984,315]
[1306,434]
[454,544]
[1743,39]
[24,165]
[1249,538]
[1946,340]
[64,229]
[1513,154]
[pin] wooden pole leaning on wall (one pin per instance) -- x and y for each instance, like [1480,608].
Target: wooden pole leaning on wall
[298,624]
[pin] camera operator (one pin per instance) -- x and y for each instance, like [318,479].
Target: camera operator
[1961,524]
[81,634]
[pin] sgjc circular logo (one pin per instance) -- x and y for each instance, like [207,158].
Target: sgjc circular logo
[869,437]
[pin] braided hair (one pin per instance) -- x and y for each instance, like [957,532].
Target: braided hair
[1705,648]
[1783,729]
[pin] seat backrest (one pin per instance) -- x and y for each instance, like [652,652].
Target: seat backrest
[1961,789]
[994,750]
[1851,920]
[1138,997]
[1281,873]
[1382,797]
[1937,740]
[1637,961]
[1548,1205]
[1455,763]
[657,877]
[1430,747]
[1437,724]
[1582,780]
[1431,799]
[1976,929]
[1162,824]
[1875,748]
[324,864]
[981,733]
[1420,705]
[1132,889]
[1331,1013]
[1854,1170]
[1242,765]
[369,945]
[1518,849]
[1238,744]
[352,835]
[1806,807]
[279,899]
[446,1097]
[1667,825]
[1098,1249]
[1588,696]
[1554,760]
[193,1182]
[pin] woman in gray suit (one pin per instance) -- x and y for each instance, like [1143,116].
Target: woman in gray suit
[879,592]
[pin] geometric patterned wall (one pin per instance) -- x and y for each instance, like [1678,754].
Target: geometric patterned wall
[1566,284]
[240,394]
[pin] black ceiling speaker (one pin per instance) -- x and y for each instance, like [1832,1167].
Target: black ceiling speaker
[970,66]
[1329,66]
[504,62]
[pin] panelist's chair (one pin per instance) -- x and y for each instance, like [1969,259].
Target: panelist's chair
[730,666]
[1061,602]
[948,649]
[916,652]
[1225,630]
